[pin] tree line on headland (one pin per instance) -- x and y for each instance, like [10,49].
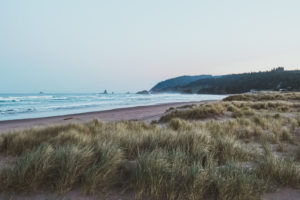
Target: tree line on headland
[276,79]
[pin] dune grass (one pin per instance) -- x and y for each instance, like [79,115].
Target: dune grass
[196,113]
[238,106]
[265,96]
[229,155]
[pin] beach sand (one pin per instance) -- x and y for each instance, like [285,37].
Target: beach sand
[145,113]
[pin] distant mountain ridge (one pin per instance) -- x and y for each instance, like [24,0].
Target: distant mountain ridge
[177,82]
[276,79]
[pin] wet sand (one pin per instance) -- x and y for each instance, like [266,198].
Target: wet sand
[145,113]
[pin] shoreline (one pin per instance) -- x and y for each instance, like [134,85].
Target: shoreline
[144,113]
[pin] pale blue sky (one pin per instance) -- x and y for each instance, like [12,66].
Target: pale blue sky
[92,45]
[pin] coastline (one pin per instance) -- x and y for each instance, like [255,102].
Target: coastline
[145,113]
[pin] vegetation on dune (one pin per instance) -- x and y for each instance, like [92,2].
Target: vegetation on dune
[264,96]
[238,106]
[200,112]
[242,149]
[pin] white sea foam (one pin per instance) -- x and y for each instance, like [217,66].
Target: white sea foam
[20,106]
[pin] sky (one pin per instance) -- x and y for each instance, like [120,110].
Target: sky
[92,45]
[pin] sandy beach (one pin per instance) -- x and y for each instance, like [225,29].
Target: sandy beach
[145,113]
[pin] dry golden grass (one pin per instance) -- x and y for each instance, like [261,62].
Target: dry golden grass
[281,171]
[184,158]
[199,112]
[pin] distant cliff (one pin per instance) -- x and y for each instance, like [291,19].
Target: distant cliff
[276,79]
[174,84]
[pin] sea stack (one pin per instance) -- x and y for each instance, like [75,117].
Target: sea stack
[143,92]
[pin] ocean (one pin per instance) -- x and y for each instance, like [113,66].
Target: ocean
[23,106]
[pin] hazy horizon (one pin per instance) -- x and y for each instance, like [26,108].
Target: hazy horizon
[89,46]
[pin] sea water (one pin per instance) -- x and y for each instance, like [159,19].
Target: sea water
[23,106]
